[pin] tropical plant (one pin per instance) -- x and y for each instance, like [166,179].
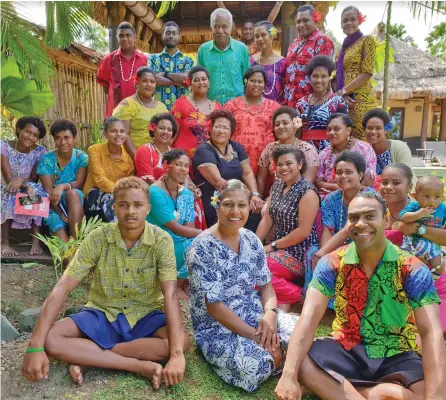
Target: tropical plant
[96,38]
[436,41]
[96,133]
[426,8]
[60,250]
[397,31]
[162,7]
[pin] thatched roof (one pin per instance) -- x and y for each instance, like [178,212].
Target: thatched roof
[415,73]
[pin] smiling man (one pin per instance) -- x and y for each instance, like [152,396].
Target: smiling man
[226,59]
[123,326]
[381,293]
[116,69]
[171,66]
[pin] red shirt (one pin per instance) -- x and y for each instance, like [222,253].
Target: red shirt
[120,84]
[300,52]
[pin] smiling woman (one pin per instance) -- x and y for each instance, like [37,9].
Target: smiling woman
[108,162]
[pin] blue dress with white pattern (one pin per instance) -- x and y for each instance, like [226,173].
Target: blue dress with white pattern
[218,274]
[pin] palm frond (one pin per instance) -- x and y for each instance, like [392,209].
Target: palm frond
[164,7]
[23,40]
[66,22]
[426,8]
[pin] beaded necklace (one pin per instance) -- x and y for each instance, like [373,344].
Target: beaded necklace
[274,76]
[196,104]
[260,109]
[131,70]
[151,101]
[175,202]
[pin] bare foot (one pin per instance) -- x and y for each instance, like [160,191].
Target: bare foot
[152,371]
[182,295]
[8,251]
[76,373]
[36,248]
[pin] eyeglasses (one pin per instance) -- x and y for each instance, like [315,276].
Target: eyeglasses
[221,128]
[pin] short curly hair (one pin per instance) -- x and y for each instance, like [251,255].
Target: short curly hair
[320,61]
[354,158]
[35,121]
[383,115]
[63,124]
[214,115]
[254,70]
[231,186]
[131,182]
[282,149]
[170,156]
[164,116]
[194,70]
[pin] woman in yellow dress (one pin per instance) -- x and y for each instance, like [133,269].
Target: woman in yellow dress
[355,65]
[137,110]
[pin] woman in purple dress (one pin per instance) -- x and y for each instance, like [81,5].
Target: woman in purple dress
[18,166]
[272,62]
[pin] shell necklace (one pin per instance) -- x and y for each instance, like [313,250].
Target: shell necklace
[151,101]
[260,109]
[131,70]
[274,76]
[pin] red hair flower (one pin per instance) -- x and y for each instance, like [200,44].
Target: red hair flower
[187,81]
[152,127]
[166,166]
[273,166]
[208,125]
[361,18]
[135,80]
[317,16]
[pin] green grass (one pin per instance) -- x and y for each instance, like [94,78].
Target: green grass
[12,308]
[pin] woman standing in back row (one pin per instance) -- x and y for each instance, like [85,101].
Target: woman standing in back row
[355,65]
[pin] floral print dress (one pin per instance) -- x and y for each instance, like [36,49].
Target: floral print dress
[217,274]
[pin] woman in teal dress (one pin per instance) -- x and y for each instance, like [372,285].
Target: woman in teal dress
[172,209]
[63,173]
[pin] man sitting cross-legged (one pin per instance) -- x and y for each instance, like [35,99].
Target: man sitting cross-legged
[122,326]
[381,294]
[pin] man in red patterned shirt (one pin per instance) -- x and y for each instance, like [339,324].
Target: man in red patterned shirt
[117,68]
[309,43]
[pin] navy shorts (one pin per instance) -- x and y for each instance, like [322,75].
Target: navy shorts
[95,325]
[354,365]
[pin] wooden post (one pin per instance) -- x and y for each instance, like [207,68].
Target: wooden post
[112,22]
[424,121]
[288,18]
[442,136]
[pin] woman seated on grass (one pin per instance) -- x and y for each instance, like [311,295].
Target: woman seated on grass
[172,209]
[107,163]
[292,208]
[18,166]
[63,173]
[238,328]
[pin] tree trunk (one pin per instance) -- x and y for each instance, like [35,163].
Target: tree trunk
[386,57]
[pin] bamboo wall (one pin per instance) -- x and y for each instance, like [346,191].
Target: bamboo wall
[78,96]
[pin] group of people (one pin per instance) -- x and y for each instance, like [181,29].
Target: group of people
[244,184]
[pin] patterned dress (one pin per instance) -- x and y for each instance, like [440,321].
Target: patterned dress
[360,58]
[254,128]
[191,124]
[22,165]
[327,160]
[217,274]
[276,78]
[315,117]
[164,210]
[382,161]
[284,211]
[49,165]
[300,52]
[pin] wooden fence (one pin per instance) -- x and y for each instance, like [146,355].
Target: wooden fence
[77,95]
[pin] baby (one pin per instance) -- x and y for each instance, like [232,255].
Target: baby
[428,210]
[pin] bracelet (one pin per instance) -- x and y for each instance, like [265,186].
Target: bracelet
[34,349]
[318,257]
[69,184]
[256,194]
[275,310]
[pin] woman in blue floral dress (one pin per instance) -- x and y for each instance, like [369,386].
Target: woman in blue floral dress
[237,324]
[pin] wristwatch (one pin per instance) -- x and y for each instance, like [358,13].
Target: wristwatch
[256,194]
[422,230]
[276,310]
[274,246]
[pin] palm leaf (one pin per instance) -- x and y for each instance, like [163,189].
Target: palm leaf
[66,22]
[23,40]
[427,8]
[164,7]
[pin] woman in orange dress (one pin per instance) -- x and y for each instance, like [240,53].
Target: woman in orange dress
[254,115]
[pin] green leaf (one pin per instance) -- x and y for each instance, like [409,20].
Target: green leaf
[30,265]
[22,97]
